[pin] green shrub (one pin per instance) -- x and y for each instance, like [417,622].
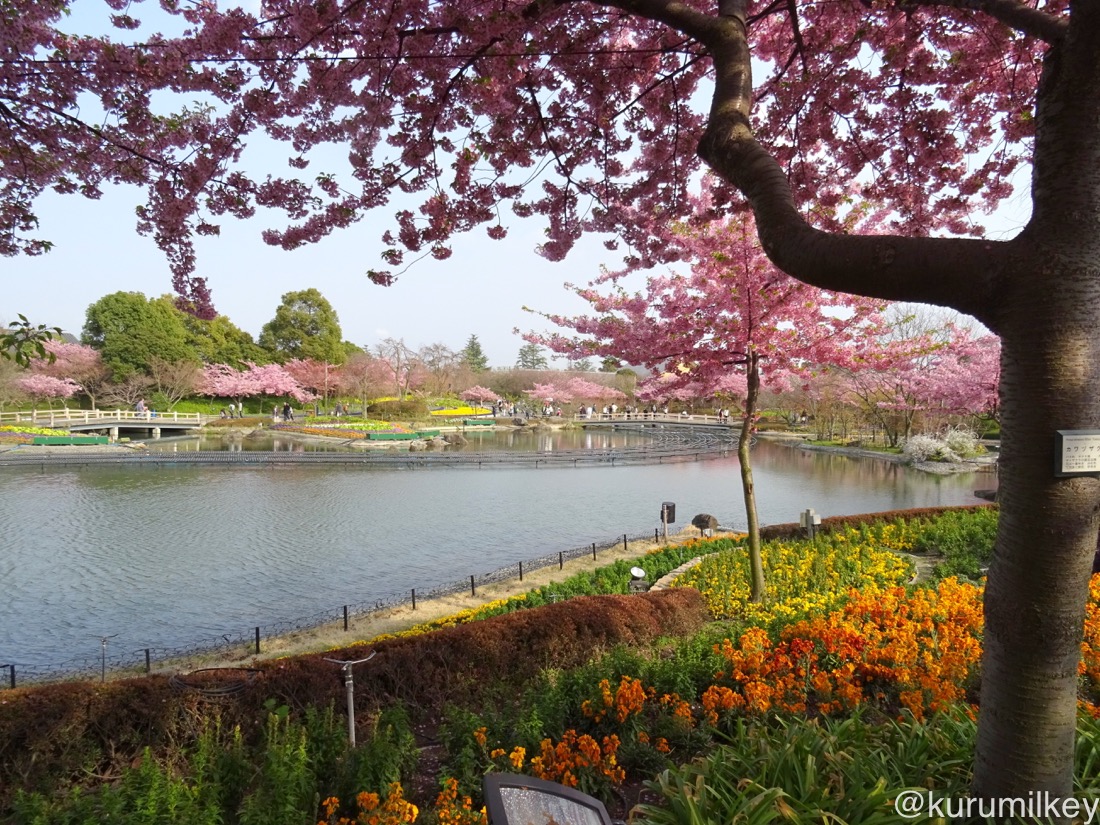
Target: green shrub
[847,770]
[964,539]
[285,788]
[391,410]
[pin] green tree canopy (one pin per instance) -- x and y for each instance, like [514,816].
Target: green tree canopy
[531,357]
[130,331]
[220,341]
[305,326]
[473,357]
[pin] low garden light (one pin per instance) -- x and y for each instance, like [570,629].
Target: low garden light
[513,799]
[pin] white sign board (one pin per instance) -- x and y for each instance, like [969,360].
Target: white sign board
[1077,453]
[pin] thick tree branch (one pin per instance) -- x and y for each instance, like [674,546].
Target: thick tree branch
[890,267]
[1015,15]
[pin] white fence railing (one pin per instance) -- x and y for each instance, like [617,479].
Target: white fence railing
[65,417]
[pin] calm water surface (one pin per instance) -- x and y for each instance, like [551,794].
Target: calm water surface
[168,556]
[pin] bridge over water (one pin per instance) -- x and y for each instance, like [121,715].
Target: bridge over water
[111,421]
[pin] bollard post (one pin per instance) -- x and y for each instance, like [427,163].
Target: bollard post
[473,589]
[103,656]
[257,640]
[345,618]
[656,536]
[521,571]
[148,662]
[625,548]
[561,561]
[414,598]
[593,551]
[12,667]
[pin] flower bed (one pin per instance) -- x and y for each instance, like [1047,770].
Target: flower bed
[803,577]
[342,428]
[459,411]
[13,434]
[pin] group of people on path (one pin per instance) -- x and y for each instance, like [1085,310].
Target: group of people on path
[237,411]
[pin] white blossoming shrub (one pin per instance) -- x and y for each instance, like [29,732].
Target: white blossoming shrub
[955,445]
[962,442]
[922,448]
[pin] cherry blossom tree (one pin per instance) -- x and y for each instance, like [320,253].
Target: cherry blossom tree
[596,115]
[321,377]
[583,389]
[478,394]
[365,377]
[80,362]
[274,379]
[46,387]
[965,378]
[550,393]
[734,312]
[225,381]
[920,377]
[405,369]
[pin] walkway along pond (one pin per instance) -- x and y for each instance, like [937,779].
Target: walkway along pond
[171,556]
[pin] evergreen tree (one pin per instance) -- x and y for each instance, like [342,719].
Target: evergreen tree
[473,357]
[531,357]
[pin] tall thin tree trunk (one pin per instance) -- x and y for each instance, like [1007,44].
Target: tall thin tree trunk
[758,587]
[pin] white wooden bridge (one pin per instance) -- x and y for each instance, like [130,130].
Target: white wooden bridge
[110,420]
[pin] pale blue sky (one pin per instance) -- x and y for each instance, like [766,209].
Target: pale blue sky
[480,291]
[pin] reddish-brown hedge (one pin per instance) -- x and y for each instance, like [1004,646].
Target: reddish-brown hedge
[54,734]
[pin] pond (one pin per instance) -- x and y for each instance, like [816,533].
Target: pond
[168,555]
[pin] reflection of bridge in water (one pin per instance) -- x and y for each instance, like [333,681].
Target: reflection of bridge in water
[111,421]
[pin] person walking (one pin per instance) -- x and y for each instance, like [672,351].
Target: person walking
[232,407]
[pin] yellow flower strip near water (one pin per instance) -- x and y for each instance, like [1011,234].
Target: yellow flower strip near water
[461,411]
[803,577]
[470,614]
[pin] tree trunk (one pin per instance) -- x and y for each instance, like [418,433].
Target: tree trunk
[1048,319]
[757,585]
[1038,582]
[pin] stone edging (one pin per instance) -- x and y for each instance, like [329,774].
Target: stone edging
[665,582]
